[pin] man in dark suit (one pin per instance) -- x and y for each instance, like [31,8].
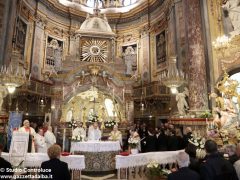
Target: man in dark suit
[59,170]
[5,166]
[187,136]
[184,173]
[216,167]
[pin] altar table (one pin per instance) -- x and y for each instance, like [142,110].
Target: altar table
[99,155]
[142,159]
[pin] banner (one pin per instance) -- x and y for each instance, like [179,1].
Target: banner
[18,148]
[15,121]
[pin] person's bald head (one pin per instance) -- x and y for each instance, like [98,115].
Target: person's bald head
[26,123]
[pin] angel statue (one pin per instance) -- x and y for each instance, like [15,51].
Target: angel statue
[182,104]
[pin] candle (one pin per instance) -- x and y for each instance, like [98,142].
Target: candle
[123,94]
[64,138]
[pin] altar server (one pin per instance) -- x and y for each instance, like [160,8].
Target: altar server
[50,138]
[41,146]
[26,128]
[94,134]
[79,130]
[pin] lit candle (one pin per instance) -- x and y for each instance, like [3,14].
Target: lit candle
[123,95]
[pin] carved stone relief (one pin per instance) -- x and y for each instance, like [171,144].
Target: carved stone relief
[54,53]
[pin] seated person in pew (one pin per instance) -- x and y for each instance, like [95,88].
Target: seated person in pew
[59,169]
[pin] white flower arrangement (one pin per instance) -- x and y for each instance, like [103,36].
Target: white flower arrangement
[92,118]
[133,142]
[199,142]
[109,123]
[78,138]
[72,123]
[155,169]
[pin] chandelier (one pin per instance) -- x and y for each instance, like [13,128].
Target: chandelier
[173,78]
[222,42]
[12,78]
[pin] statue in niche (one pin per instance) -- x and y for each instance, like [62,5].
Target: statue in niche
[54,53]
[160,48]
[130,58]
[231,21]
[69,115]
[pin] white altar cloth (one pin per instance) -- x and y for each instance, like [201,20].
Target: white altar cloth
[75,162]
[95,146]
[143,159]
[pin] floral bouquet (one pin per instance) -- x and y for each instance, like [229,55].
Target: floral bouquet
[133,142]
[92,118]
[206,114]
[109,123]
[78,138]
[199,142]
[154,169]
[72,124]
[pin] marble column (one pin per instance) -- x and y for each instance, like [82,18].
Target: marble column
[198,98]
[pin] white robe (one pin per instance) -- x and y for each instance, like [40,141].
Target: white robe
[94,134]
[79,131]
[41,145]
[50,138]
[32,132]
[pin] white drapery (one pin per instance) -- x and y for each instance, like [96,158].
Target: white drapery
[143,159]
[95,146]
[75,162]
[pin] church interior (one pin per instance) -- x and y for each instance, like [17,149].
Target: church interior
[119,71]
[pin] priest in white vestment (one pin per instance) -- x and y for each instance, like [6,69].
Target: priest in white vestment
[50,138]
[79,131]
[94,133]
[115,135]
[27,129]
[41,146]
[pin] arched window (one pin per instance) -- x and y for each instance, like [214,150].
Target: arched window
[90,3]
[128,2]
[110,107]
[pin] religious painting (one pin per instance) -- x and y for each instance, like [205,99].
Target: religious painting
[129,54]
[160,49]
[21,31]
[54,53]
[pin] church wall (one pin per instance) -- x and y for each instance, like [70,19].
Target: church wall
[140,34]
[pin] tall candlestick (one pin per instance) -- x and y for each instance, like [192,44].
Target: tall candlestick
[123,94]
[64,138]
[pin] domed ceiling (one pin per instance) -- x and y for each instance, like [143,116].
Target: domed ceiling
[116,10]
